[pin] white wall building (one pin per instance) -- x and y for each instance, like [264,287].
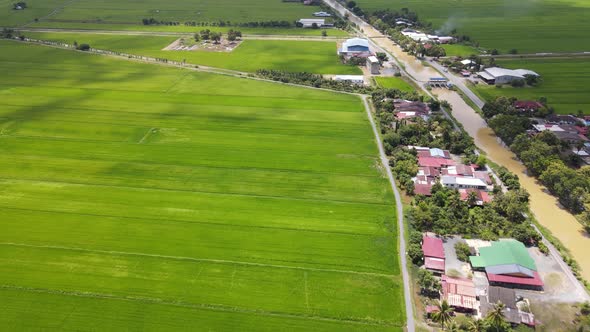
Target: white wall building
[356,79]
[497,75]
[309,22]
[455,182]
[373,65]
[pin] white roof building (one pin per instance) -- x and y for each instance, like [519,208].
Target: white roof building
[497,75]
[355,46]
[309,22]
[457,182]
[357,79]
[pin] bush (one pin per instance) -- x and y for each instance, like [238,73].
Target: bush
[462,250]
[415,254]
[519,83]
[83,47]
[543,248]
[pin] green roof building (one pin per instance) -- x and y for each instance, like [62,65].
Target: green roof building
[505,257]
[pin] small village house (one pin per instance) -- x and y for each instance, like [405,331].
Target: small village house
[355,79]
[373,65]
[434,254]
[459,293]
[312,22]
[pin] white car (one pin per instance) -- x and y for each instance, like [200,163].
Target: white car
[321,14]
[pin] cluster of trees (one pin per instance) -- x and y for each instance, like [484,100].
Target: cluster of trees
[462,251]
[415,248]
[495,321]
[507,121]
[352,5]
[8,33]
[315,80]
[233,35]
[445,213]
[82,47]
[509,179]
[416,48]
[429,285]
[544,156]
[387,18]
[353,60]
[153,21]
[207,34]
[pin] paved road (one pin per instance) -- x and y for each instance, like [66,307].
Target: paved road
[400,219]
[459,82]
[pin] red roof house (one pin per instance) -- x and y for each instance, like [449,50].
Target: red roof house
[434,162]
[503,279]
[423,189]
[434,254]
[459,292]
[527,105]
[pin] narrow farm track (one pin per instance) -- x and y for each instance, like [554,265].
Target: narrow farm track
[400,221]
[180,34]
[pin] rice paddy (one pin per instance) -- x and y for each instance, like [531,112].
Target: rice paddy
[526,25]
[137,196]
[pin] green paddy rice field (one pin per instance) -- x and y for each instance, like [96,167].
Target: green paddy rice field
[132,12]
[526,25]
[565,83]
[295,56]
[142,197]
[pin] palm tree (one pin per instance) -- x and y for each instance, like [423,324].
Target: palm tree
[443,314]
[477,325]
[453,327]
[496,317]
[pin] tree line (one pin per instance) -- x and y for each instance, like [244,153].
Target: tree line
[206,34]
[314,80]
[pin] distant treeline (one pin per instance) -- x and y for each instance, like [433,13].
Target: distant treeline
[261,24]
[315,80]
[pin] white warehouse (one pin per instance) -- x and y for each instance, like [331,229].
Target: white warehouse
[497,75]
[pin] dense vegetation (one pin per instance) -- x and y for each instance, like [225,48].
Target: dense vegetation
[445,213]
[545,156]
[314,80]
[156,198]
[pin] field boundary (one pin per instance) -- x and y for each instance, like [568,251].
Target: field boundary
[193,259]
